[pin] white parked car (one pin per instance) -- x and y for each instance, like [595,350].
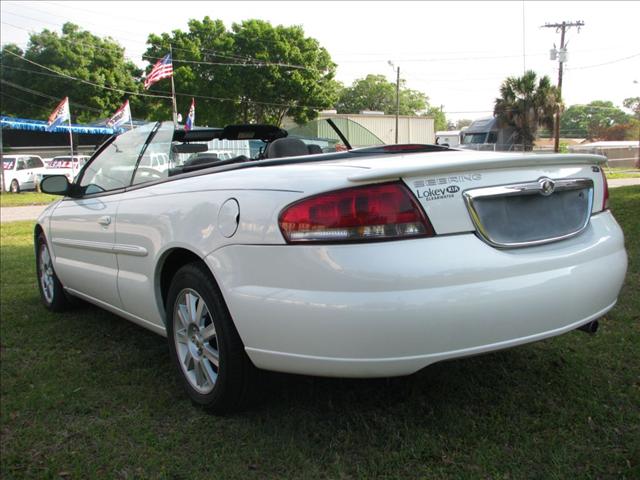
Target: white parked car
[373,262]
[65,165]
[20,172]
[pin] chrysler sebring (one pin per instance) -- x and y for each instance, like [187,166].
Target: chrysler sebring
[304,255]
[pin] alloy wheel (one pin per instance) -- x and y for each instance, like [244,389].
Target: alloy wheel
[196,341]
[46,273]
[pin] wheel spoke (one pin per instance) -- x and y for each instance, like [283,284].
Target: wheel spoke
[200,377]
[188,361]
[191,306]
[209,375]
[199,310]
[212,355]
[181,336]
[183,315]
[208,332]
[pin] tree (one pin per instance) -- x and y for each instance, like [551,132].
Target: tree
[255,72]
[376,93]
[633,104]
[76,53]
[439,118]
[463,122]
[593,120]
[526,103]
[618,132]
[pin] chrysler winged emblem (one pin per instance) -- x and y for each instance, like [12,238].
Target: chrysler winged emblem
[547,186]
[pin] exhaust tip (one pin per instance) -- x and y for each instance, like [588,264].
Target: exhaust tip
[591,327]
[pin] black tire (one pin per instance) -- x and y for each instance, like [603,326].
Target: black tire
[52,293]
[15,187]
[236,377]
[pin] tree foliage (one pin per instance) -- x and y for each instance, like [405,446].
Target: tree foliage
[594,121]
[526,103]
[76,53]
[633,104]
[439,118]
[463,122]
[255,72]
[376,93]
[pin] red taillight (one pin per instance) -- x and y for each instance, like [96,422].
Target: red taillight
[605,191]
[373,212]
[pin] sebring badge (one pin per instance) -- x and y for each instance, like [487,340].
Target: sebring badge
[547,186]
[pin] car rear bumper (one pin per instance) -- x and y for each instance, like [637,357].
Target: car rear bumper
[392,308]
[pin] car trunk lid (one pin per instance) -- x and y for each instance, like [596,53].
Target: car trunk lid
[508,200]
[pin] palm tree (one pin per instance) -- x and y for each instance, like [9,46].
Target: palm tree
[526,103]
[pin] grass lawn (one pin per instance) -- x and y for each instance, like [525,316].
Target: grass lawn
[26,198]
[619,172]
[89,395]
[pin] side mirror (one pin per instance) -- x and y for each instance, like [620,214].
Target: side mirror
[55,185]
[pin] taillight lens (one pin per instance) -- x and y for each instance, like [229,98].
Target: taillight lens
[605,192]
[374,212]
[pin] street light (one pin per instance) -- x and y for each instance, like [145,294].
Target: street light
[397,69]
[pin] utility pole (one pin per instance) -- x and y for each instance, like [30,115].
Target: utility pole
[397,69]
[173,91]
[562,57]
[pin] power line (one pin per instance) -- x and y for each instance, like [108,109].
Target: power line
[212,52]
[562,29]
[86,81]
[605,63]
[44,95]
[235,100]
[44,107]
[247,61]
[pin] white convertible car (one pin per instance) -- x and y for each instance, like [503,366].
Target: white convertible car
[368,262]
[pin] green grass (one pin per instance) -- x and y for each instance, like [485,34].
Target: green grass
[26,198]
[620,172]
[89,395]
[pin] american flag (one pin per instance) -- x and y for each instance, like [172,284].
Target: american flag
[162,69]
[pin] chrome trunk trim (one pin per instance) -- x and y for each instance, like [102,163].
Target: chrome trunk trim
[543,186]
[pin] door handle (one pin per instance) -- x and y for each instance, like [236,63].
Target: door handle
[106,220]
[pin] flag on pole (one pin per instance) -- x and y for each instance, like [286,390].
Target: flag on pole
[122,116]
[60,114]
[162,69]
[191,116]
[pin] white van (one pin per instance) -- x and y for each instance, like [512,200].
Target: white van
[21,171]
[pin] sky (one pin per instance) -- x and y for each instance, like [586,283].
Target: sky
[457,53]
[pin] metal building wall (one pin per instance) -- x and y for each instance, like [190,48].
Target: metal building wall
[411,129]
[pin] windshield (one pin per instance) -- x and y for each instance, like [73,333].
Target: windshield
[68,161]
[321,132]
[317,137]
[114,166]
[61,162]
[8,163]
[471,138]
[155,151]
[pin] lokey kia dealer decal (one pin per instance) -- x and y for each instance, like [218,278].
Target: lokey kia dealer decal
[444,186]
